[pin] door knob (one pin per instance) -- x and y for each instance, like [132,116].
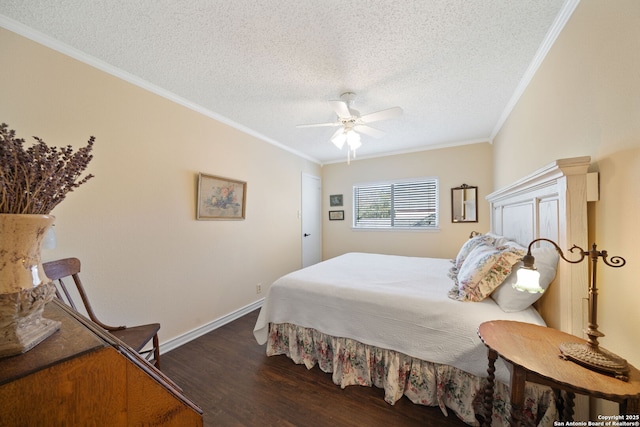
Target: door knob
[306,234]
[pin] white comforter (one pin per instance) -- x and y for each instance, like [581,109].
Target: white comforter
[393,302]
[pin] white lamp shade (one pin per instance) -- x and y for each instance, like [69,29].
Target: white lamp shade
[339,140]
[528,281]
[353,139]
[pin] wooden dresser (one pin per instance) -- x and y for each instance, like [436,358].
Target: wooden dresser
[83,376]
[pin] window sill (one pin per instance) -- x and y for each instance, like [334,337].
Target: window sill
[398,229]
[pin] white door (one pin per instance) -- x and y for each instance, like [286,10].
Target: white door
[311,219]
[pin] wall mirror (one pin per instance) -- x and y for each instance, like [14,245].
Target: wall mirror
[464,204]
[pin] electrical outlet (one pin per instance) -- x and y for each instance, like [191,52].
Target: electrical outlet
[259,288]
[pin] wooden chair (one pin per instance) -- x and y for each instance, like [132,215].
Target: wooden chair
[136,337]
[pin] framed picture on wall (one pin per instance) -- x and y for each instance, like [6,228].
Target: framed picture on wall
[220,198]
[335,200]
[336,215]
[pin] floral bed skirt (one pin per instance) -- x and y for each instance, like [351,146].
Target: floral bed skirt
[424,383]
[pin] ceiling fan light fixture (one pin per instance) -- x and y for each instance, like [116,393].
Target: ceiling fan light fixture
[339,140]
[353,140]
[348,118]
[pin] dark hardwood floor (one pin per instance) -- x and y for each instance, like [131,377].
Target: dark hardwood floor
[230,377]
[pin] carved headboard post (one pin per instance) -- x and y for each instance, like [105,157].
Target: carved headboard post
[551,203]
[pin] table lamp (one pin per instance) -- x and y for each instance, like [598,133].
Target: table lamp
[589,354]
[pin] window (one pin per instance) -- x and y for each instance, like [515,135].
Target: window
[410,204]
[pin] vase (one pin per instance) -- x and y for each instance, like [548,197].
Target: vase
[24,287]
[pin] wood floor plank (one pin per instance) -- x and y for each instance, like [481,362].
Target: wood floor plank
[230,377]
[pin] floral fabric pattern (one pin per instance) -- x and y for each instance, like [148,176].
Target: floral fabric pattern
[484,269]
[424,383]
[468,246]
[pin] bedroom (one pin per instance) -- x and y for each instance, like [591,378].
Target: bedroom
[584,100]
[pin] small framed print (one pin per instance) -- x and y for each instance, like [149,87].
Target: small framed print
[336,215]
[335,200]
[220,198]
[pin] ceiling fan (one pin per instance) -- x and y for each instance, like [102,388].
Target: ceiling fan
[352,123]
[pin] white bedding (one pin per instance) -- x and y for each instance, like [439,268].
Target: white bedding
[393,302]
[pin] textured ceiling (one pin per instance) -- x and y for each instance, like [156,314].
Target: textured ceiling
[454,66]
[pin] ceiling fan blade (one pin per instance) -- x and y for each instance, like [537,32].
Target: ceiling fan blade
[315,125]
[368,130]
[336,133]
[389,113]
[341,108]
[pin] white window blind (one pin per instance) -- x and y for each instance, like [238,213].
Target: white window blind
[400,204]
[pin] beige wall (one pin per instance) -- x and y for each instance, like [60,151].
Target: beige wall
[585,100]
[145,257]
[471,164]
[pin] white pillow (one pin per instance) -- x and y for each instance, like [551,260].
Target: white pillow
[468,246]
[498,240]
[511,300]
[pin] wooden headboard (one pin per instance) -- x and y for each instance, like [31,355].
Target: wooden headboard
[551,203]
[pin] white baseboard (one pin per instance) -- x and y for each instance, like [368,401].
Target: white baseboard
[199,331]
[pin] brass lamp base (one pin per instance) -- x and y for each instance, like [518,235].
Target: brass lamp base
[596,359]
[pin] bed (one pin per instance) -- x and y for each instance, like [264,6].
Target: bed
[409,325]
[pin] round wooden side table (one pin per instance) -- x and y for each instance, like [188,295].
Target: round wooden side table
[534,353]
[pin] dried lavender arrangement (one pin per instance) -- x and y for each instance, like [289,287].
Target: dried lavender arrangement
[34,180]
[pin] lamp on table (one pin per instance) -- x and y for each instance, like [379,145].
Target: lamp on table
[588,354]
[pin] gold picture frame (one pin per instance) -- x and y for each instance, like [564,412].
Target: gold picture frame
[221,198]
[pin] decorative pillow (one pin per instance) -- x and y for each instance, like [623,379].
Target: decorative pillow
[498,240]
[468,246]
[511,300]
[483,270]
